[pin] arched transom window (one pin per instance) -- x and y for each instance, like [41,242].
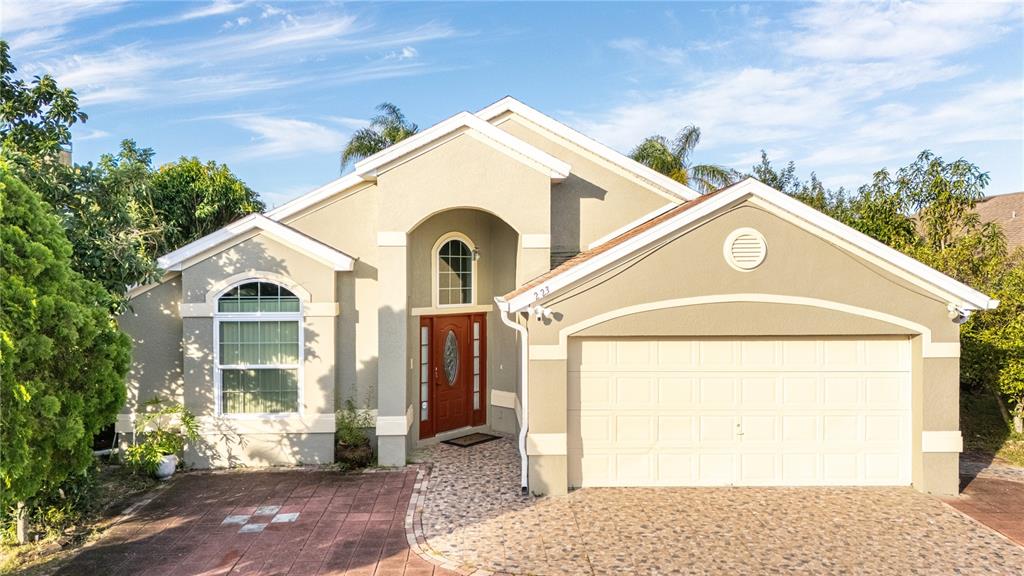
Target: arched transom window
[454,266]
[258,329]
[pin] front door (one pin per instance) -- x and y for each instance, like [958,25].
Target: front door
[455,373]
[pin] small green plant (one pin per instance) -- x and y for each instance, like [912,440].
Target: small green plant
[164,428]
[352,449]
[351,424]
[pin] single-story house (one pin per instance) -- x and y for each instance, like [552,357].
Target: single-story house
[502,272]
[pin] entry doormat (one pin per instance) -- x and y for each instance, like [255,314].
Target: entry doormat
[471,439]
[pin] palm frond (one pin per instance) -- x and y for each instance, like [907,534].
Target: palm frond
[711,177]
[685,142]
[654,153]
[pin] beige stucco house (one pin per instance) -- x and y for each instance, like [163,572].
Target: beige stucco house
[501,272]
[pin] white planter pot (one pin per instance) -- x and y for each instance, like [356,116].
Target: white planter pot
[166,467]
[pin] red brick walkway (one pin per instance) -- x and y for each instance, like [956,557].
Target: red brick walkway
[268,522]
[999,504]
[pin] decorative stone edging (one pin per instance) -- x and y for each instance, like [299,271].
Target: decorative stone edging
[415,534]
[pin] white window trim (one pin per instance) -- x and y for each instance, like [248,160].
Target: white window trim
[218,317]
[435,282]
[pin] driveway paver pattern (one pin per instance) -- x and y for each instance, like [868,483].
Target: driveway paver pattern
[473,515]
[992,492]
[265,522]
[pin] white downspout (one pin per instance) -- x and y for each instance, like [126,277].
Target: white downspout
[524,359]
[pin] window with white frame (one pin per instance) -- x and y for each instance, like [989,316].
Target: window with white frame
[258,329]
[454,272]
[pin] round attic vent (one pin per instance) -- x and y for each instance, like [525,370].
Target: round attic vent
[745,249]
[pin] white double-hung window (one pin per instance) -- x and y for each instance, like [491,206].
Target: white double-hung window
[258,341]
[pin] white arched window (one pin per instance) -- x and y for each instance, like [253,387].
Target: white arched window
[454,271]
[258,349]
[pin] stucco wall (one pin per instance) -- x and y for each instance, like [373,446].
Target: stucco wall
[154,324]
[594,200]
[349,222]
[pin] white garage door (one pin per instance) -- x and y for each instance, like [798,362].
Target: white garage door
[714,412]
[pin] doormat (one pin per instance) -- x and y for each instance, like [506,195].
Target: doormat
[471,439]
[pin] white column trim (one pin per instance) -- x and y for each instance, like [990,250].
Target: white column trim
[503,399]
[546,444]
[942,441]
[536,240]
[391,238]
[395,425]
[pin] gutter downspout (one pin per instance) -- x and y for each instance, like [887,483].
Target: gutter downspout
[524,360]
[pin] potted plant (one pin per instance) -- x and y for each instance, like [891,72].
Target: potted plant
[165,427]
[353,447]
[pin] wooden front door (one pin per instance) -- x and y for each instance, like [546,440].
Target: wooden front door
[455,388]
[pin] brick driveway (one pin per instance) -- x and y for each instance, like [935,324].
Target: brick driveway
[472,514]
[264,522]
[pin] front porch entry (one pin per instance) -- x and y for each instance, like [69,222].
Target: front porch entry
[453,369]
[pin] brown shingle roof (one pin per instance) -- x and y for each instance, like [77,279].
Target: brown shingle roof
[1007,210]
[606,246]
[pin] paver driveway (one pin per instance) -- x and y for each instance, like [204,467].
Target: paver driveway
[472,514]
[266,522]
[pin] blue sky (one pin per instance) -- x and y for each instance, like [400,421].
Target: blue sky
[274,89]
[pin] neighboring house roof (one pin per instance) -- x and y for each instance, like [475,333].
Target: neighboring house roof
[180,258]
[1007,210]
[666,184]
[590,262]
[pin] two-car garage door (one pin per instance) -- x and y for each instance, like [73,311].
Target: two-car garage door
[712,412]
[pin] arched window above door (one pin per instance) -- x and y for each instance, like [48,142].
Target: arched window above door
[454,271]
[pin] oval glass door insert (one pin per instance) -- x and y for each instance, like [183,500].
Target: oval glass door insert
[451,357]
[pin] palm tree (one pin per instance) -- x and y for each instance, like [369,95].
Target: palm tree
[673,160]
[388,127]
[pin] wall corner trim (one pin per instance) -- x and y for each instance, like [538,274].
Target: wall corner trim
[942,441]
[391,238]
[546,444]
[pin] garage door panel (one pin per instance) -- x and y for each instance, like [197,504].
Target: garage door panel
[793,412]
[676,392]
[717,391]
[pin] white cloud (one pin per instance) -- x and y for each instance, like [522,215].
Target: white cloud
[32,24]
[90,135]
[858,31]
[285,137]
[406,53]
[640,48]
[116,75]
[269,11]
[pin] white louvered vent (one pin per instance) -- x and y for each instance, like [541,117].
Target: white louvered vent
[745,249]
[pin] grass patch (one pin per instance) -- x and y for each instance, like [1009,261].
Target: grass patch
[985,432]
[68,528]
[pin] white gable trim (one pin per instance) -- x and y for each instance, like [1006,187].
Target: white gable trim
[846,237]
[177,260]
[655,178]
[315,197]
[556,169]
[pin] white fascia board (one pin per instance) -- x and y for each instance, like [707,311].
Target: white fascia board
[622,230]
[932,279]
[368,168]
[510,104]
[175,261]
[314,197]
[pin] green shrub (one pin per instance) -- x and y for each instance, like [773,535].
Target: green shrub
[351,425]
[164,428]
